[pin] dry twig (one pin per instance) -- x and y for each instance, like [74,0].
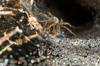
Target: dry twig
[6,13]
[10,34]
[32,20]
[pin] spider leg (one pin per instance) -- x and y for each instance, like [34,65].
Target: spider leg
[69,30]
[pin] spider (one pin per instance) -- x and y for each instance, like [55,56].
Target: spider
[55,25]
[72,14]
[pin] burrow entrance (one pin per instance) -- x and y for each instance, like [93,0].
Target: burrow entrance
[72,11]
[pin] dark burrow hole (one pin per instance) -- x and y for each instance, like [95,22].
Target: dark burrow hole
[72,11]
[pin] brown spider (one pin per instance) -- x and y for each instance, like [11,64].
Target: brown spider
[55,25]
